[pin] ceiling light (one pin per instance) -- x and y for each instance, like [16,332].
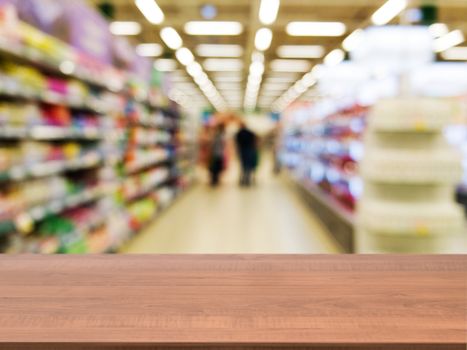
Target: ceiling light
[299,87]
[149,50]
[184,56]
[268,11]
[353,40]
[334,57]
[449,40]
[309,80]
[165,65]
[254,79]
[194,69]
[201,79]
[125,28]
[455,53]
[223,64]
[388,11]
[300,51]
[208,50]
[263,39]
[290,65]
[150,10]
[171,38]
[257,57]
[317,71]
[438,30]
[256,68]
[213,28]
[316,28]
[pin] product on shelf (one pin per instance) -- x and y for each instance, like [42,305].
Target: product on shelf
[410,173]
[325,151]
[84,162]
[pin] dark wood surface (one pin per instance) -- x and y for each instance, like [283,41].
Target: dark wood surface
[233,302]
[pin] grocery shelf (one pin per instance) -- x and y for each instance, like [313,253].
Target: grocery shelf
[339,220]
[131,170]
[343,213]
[75,106]
[147,190]
[52,207]
[34,58]
[72,102]
[41,133]
[23,172]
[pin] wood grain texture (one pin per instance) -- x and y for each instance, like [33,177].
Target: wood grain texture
[233,302]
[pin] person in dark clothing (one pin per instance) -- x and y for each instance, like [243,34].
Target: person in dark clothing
[247,148]
[217,156]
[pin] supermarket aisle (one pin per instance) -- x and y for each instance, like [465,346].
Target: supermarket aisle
[267,219]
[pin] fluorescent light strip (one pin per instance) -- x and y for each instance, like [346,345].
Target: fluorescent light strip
[454,38]
[149,50]
[334,57]
[184,56]
[263,39]
[316,28]
[256,69]
[298,89]
[437,30]
[388,11]
[455,54]
[208,50]
[213,28]
[353,40]
[125,28]
[223,64]
[150,10]
[268,11]
[300,51]
[280,65]
[194,69]
[171,38]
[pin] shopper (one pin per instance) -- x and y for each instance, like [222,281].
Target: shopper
[247,147]
[217,158]
[276,146]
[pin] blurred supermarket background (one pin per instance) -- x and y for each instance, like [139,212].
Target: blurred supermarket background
[350,117]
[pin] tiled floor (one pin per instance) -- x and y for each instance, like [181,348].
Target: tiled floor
[269,218]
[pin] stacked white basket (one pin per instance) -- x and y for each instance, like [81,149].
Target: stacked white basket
[410,174]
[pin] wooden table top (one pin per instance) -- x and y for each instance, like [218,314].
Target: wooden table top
[233,301]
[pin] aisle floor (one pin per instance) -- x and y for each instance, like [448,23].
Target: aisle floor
[269,218]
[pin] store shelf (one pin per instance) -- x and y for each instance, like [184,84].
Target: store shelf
[39,212]
[23,172]
[32,57]
[133,169]
[72,102]
[339,220]
[41,133]
[332,204]
[146,191]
